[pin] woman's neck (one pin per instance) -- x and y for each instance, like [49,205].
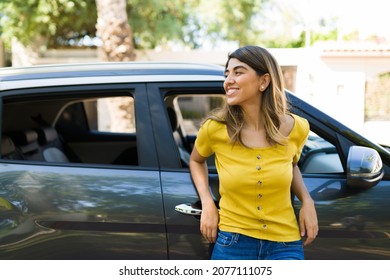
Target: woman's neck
[252,118]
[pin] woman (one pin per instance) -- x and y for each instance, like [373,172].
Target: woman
[257,144]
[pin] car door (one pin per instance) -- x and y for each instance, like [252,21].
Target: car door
[352,219]
[351,214]
[184,238]
[92,208]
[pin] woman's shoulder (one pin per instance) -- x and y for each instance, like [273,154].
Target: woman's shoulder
[212,124]
[300,123]
[292,124]
[300,129]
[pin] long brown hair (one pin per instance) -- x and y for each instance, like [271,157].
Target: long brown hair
[274,103]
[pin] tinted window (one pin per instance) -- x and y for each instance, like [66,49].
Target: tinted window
[319,156]
[195,108]
[111,114]
[82,129]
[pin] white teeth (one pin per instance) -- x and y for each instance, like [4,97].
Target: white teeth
[231,90]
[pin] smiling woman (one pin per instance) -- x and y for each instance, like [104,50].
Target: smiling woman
[254,128]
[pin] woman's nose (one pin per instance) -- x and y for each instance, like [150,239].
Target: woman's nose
[229,79]
[226,83]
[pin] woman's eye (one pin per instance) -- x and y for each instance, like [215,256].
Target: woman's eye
[235,73]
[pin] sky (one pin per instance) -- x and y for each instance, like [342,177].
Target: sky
[368,16]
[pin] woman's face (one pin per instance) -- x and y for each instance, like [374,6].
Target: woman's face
[242,84]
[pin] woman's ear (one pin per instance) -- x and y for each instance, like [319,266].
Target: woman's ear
[266,79]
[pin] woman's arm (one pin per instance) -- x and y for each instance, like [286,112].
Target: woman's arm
[308,223]
[209,218]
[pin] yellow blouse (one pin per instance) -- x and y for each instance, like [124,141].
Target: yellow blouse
[255,182]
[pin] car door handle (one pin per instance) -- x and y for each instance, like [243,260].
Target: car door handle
[188,209]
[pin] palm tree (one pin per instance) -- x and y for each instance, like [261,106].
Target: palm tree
[114,30]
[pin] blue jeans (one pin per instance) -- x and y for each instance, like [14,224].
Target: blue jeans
[235,246]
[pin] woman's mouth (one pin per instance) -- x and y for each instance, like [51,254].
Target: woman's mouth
[231,91]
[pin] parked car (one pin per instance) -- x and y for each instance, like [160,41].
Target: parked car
[94,165]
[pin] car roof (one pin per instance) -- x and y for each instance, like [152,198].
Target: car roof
[108,69]
[107,72]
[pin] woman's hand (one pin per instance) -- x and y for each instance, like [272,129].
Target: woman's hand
[308,224]
[209,221]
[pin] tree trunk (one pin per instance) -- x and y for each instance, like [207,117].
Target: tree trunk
[114,30]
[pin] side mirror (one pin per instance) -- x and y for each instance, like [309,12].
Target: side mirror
[364,167]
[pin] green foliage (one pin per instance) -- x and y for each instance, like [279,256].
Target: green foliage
[156,22]
[56,23]
[29,20]
[291,43]
[59,21]
[239,20]
[300,42]
[331,35]
[233,20]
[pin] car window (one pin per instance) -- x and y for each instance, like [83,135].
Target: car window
[186,113]
[80,129]
[111,114]
[194,108]
[318,155]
